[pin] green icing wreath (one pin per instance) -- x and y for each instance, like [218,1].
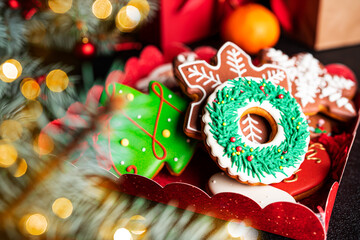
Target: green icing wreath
[224,126]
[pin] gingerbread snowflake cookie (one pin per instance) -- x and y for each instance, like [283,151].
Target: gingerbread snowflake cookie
[313,87]
[198,79]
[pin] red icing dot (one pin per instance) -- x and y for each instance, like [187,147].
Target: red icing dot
[267,95]
[284,152]
[232,139]
[250,158]
[238,148]
[281,96]
[241,91]
[261,88]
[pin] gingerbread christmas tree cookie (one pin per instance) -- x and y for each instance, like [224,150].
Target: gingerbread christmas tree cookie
[145,133]
[199,79]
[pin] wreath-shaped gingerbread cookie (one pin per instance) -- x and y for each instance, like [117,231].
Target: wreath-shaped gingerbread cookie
[247,161]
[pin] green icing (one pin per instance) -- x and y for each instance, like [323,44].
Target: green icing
[142,121]
[225,124]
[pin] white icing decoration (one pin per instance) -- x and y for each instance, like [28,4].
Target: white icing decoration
[262,195]
[143,149]
[275,76]
[176,159]
[122,162]
[169,120]
[181,58]
[251,125]
[312,81]
[138,116]
[203,75]
[235,61]
[120,91]
[225,162]
[170,96]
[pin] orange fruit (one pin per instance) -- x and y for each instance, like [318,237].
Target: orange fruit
[252,27]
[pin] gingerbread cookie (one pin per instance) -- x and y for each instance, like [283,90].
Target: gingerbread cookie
[246,160]
[262,195]
[321,124]
[198,79]
[311,174]
[313,87]
[146,133]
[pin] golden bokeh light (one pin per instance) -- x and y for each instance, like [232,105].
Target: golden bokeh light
[128,18]
[136,225]
[62,207]
[102,8]
[43,144]
[10,70]
[57,80]
[21,169]
[142,5]
[30,88]
[32,110]
[122,234]
[60,6]
[10,130]
[35,224]
[8,155]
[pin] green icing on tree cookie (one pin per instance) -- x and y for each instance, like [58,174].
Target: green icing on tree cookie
[146,132]
[224,126]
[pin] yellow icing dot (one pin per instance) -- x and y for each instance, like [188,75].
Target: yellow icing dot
[281,167]
[297,127]
[227,95]
[238,153]
[249,82]
[232,99]
[251,149]
[282,157]
[242,151]
[166,133]
[218,102]
[233,149]
[279,150]
[264,84]
[222,102]
[224,124]
[130,97]
[292,118]
[124,142]
[233,154]
[245,145]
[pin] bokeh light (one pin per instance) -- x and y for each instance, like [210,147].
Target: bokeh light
[10,130]
[29,88]
[21,169]
[35,224]
[102,8]
[10,70]
[60,6]
[32,110]
[128,18]
[57,80]
[43,144]
[142,5]
[241,230]
[136,225]
[62,207]
[122,234]
[8,155]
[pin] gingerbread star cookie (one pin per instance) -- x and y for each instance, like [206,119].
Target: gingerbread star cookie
[198,79]
[313,87]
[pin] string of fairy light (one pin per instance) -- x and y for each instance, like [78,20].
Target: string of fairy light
[127,19]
